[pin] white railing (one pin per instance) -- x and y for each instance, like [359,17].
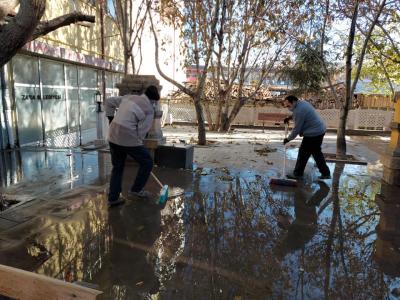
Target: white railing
[373,119]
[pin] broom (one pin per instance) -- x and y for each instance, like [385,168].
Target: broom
[284,181]
[164,190]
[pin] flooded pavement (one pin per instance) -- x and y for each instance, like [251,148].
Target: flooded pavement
[229,236]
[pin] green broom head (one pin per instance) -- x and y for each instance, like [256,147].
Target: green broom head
[163,194]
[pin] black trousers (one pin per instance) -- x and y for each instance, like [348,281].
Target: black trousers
[311,146]
[118,156]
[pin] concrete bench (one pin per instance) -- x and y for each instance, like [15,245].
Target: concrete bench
[268,118]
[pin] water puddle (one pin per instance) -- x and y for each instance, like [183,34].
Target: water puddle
[229,236]
[29,174]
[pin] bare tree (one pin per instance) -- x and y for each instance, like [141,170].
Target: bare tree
[248,48]
[26,26]
[201,17]
[349,82]
[131,18]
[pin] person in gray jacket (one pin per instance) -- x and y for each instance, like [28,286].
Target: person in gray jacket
[309,124]
[110,107]
[127,131]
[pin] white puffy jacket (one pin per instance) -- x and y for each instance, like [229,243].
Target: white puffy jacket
[132,121]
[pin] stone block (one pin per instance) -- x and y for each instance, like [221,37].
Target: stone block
[388,257]
[390,161]
[389,194]
[391,176]
[175,156]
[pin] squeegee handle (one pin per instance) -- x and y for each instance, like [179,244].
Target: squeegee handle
[156,179]
[286,130]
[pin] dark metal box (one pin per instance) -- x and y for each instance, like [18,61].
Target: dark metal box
[174,156]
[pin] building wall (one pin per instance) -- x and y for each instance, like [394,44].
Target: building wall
[51,84]
[55,101]
[84,39]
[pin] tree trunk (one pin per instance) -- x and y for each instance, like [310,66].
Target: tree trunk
[351,86]
[222,115]
[201,129]
[219,114]
[234,112]
[211,125]
[344,110]
[341,133]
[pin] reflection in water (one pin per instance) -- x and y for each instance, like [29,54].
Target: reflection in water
[229,236]
[128,270]
[387,245]
[49,172]
[304,226]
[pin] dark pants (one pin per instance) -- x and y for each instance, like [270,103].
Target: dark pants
[118,156]
[311,146]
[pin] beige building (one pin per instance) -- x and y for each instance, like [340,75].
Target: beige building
[49,88]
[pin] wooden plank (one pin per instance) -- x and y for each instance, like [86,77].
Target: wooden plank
[20,284]
[349,159]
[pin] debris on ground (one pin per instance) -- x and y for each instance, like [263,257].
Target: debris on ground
[6,203]
[396,292]
[264,151]
[284,220]
[225,177]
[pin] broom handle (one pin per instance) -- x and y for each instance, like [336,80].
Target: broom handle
[156,179]
[284,152]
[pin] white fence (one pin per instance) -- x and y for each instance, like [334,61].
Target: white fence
[373,119]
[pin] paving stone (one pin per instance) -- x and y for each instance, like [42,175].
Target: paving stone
[6,224]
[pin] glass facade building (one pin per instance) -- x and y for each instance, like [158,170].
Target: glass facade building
[52,102]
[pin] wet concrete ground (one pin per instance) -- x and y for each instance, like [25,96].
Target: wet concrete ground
[229,236]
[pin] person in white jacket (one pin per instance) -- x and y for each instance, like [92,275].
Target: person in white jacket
[129,127]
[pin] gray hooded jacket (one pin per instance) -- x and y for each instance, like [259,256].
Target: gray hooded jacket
[307,122]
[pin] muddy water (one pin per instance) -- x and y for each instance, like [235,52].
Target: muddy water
[230,235]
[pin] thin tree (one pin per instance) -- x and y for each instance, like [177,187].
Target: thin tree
[198,21]
[350,82]
[248,45]
[131,18]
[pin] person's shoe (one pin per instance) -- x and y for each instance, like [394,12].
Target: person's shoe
[322,177]
[142,194]
[117,202]
[293,176]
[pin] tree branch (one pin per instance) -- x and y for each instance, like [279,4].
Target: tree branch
[44,28]
[364,48]
[187,91]
[18,31]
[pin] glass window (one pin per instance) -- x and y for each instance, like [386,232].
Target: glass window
[109,80]
[73,110]
[87,78]
[88,109]
[28,114]
[72,75]
[51,72]
[25,70]
[54,112]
